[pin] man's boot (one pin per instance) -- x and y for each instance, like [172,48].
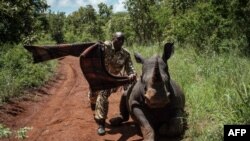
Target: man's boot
[101,127]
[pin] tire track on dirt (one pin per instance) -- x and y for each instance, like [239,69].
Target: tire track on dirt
[63,112]
[50,115]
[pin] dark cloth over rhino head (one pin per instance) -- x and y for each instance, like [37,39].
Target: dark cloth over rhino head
[155,78]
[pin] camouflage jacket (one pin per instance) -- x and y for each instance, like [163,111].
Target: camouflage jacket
[117,62]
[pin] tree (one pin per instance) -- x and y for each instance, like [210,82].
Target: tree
[120,21]
[56,25]
[141,18]
[84,24]
[105,12]
[212,25]
[20,19]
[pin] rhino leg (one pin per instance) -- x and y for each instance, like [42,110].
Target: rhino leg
[174,127]
[146,128]
[124,108]
[124,113]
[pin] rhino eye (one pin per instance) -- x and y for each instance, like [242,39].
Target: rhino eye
[145,88]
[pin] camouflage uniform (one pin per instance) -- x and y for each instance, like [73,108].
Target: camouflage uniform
[116,63]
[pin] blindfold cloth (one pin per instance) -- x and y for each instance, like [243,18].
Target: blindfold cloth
[91,62]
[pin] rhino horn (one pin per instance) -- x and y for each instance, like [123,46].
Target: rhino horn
[156,73]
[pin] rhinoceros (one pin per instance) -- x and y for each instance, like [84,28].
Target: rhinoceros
[155,101]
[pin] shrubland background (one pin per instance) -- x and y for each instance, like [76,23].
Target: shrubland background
[211,59]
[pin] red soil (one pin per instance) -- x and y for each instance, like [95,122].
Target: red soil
[60,111]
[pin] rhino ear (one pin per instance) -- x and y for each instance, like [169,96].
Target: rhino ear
[168,51]
[138,58]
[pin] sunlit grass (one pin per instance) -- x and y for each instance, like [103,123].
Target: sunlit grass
[17,71]
[217,89]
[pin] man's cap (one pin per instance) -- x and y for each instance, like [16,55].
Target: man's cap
[119,35]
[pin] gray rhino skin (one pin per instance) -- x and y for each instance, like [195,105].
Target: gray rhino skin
[155,101]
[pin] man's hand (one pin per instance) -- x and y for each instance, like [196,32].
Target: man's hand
[132,77]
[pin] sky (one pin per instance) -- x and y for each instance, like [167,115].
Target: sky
[69,6]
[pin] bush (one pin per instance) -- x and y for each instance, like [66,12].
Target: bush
[18,71]
[217,88]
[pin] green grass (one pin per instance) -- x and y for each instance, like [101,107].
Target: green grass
[17,71]
[217,89]
[4,132]
[20,134]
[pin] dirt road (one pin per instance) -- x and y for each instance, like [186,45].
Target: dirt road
[59,111]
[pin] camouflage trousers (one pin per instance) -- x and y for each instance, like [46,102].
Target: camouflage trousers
[100,98]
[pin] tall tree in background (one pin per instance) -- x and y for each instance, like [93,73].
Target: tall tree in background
[19,19]
[141,18]
[242,18]
[105,12]
[92,26]
[161,16]
[211,25]
[83,24]
[120,21]
[56,26]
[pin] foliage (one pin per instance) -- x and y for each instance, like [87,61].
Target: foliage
[212,38]
[105,12]
[4,131]
[142,22]
[18,72]
[22,132]
[213,26]
[120,22]
[56,26]
[20,19]
[206,25]
[217,89]
[211,83]
[79,25]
